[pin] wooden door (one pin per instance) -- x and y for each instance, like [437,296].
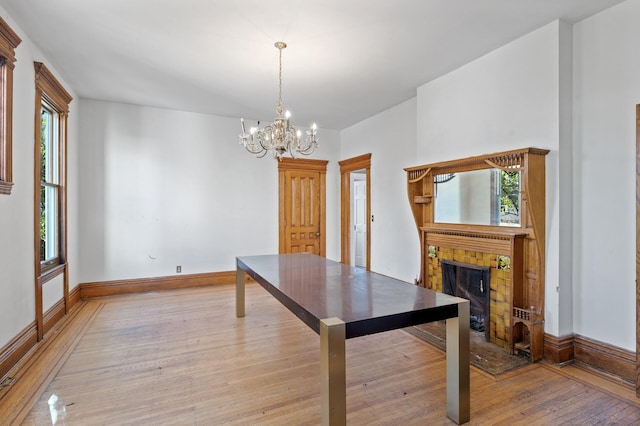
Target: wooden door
[302,206]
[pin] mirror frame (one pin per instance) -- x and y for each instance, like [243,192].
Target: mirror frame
[420,185]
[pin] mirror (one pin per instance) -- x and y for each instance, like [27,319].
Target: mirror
[478,197]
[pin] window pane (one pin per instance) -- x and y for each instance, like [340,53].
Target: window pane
[48,145]
[48,222]
[510,198]
[44,144]
[49,244]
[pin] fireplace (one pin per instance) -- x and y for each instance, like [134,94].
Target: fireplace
[470,282]
[517,287]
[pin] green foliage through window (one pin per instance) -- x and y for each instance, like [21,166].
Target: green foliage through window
[509,197]
[49,188]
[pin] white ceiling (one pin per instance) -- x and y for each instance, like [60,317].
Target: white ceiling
[346,60]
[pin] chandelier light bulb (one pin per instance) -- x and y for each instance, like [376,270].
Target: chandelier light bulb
[279,137]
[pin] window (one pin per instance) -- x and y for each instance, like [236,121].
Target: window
[8,42]
[509,197]
[49,186]
[505,209]
[50,172]
[50,180]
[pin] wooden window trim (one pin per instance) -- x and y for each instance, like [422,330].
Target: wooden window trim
[9,40]
[51,273]
[49,89]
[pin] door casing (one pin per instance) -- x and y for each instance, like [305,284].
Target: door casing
[346,167]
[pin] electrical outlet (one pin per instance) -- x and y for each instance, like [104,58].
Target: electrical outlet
[178,269]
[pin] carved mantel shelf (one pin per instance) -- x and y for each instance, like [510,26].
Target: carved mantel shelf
[488,232]
[488,241]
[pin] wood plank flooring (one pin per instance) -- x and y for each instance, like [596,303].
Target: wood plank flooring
[182,358]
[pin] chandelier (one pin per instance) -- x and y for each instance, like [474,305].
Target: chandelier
[279,137]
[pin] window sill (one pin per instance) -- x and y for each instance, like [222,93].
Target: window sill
[5,187]
[52,272]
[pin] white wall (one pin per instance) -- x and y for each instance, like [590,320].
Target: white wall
[17,293]
[507,99]
[606,91]
[163,188]
[390,138]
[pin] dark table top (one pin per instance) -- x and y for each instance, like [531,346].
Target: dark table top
[315,288]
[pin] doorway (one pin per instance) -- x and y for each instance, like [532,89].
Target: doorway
[301,205]
[355,211]
[358,220]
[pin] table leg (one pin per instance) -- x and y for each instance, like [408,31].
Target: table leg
[239,292]
[333,393]
[458,393]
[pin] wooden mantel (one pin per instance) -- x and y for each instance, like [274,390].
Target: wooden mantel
[524,244]
[488,241]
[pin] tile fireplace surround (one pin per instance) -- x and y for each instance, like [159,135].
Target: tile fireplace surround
[499,284]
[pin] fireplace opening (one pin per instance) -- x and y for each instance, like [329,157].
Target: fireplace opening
[470,282]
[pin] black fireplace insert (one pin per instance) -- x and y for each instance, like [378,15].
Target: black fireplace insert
[470,282]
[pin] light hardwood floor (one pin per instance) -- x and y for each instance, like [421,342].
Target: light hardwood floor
[182,357]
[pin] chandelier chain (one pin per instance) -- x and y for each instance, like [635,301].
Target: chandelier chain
[279,106]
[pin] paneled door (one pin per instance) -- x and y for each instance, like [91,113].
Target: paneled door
[302,205]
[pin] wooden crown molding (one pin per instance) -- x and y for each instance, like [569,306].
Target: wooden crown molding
[53,90]
[303,164]
[9,40]
[355,163]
